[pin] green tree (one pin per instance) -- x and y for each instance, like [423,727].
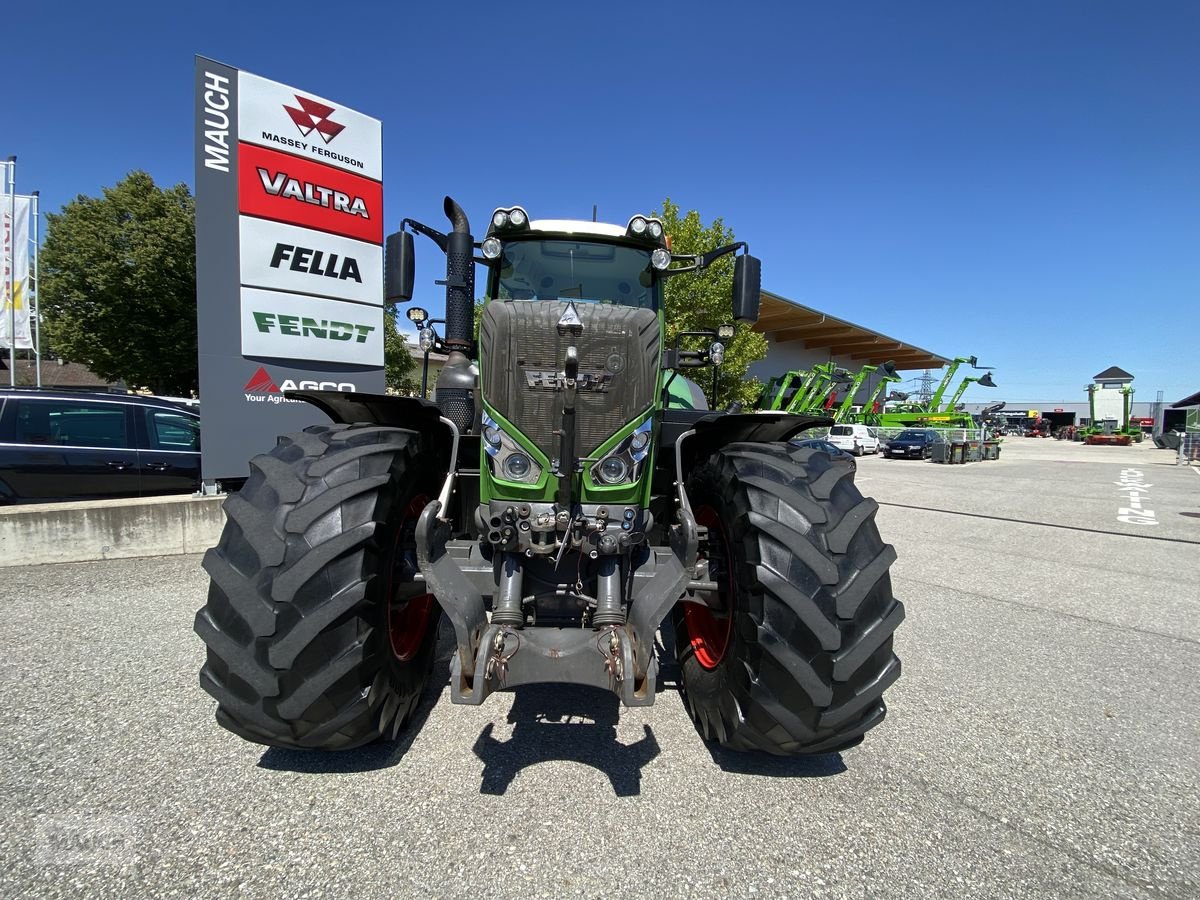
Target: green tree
[118,288]
[399,368]
[702,300]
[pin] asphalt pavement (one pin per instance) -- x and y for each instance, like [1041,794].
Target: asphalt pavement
[1040,743]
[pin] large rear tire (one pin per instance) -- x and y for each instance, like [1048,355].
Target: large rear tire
[317,635]
[796,655]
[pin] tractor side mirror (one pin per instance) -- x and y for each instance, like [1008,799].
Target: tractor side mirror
[747,288]
[399,267]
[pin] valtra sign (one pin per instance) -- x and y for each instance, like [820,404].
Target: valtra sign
[289,234]
[284,188]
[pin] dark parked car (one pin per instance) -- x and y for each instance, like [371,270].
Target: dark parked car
[912,443]
[62,445]
[832,449]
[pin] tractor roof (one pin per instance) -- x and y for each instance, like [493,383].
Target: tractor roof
[574,226]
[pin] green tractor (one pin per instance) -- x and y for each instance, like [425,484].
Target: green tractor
[558,510]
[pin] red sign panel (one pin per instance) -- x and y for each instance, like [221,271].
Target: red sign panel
[286,188]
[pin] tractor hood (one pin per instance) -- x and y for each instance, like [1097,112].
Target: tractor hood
[522,356]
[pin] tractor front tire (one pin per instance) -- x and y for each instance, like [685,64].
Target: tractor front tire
[318,637]
[793,653]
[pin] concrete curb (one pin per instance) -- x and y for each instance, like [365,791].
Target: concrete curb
[108,529]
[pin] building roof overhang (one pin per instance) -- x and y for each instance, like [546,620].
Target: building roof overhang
[786,320]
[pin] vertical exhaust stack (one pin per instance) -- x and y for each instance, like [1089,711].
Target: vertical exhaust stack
[456,382]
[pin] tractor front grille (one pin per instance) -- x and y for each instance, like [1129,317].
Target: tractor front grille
[522,354]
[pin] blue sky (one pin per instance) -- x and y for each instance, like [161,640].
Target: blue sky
[1019,180]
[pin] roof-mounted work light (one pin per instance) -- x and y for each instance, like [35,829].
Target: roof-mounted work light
[645,228]
[509,220]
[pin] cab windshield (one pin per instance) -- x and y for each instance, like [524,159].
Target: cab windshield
[575,270]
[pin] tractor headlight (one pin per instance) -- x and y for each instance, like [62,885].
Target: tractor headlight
[660,259]
[517,217]
[491,248]
[654,227]
[517,467]
[716,353]
[613,470]
[637,225]
[500,218]
[506,458]
[724,332]
[623,463]
[426,339]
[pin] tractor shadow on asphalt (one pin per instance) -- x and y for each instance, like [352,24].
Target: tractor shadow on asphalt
[555,722]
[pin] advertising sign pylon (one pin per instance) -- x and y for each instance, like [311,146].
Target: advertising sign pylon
[289,258]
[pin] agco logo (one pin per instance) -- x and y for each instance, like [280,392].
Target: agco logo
[261,388]
[313,116]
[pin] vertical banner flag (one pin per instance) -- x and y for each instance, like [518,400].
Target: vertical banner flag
[289,258]
[16,274]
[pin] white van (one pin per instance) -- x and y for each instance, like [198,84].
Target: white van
[858,439]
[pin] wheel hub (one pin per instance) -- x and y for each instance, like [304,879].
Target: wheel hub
[709,630]
[407,615]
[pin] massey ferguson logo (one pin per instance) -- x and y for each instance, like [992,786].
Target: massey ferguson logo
[282,185]
[261,388]
[313,116]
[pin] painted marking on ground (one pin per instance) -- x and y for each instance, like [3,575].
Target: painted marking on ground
[1134,488]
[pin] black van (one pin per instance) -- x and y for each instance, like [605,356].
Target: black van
[64,445]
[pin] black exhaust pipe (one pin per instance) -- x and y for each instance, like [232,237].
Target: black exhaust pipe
[456,382]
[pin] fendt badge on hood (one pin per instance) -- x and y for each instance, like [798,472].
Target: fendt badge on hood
[543,380]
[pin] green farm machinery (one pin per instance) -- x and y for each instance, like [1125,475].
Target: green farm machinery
[559,511]
[869,408]
[933,414]
[803,391]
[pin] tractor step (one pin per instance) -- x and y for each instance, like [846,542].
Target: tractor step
[508,656]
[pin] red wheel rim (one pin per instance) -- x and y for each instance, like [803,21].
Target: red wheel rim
[708,633]
[407,617]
